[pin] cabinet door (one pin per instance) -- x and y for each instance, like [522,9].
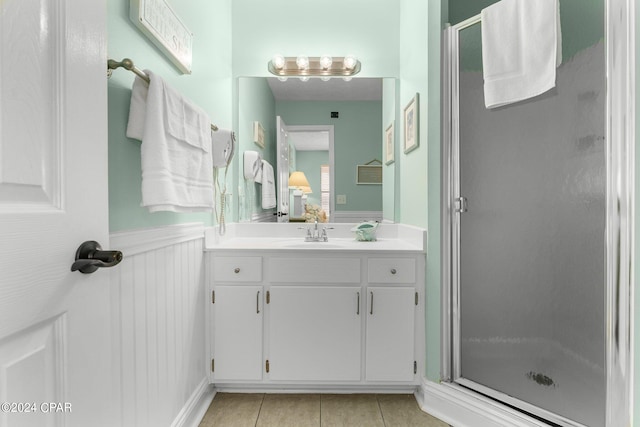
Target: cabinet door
[237,333]
[314,333]
[390,334]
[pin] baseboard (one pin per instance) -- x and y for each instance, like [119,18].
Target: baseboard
[192,412]
[461,408]
[315,388]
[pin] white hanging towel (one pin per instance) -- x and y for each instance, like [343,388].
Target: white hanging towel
[268,186]
[177,169]
[521,48]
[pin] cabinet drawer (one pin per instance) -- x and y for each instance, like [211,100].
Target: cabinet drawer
[392,270]
[314,270]
[237,269]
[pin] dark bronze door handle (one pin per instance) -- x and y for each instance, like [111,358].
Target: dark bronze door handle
[90,257]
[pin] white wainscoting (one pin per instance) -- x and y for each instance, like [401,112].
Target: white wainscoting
[269,216]
[158,326]
[356,216]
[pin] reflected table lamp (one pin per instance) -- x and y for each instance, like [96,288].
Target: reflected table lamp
[300,185]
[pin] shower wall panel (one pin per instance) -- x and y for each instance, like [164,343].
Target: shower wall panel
[532,285]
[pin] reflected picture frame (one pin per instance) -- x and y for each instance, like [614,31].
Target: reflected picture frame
[389,144]
[258,134]
[412,124]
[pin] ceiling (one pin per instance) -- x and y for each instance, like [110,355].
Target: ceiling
[309,140]
[336,89]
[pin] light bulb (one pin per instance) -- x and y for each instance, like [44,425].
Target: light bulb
[278,62]
[302,62]
[350,62]
[325,62]
[347,78]
[283,78]
[304,78]
[325,78]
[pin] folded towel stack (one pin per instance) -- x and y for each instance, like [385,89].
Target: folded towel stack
[521,48]
[177,168]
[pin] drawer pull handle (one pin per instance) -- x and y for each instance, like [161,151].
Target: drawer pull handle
[258,303]
[371,306]
[236,270]
[393,271]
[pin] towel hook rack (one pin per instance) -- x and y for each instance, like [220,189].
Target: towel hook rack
[128,64]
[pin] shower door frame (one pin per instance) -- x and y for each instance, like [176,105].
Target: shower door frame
[619,228]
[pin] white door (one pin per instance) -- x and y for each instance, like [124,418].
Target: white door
[237,333]
[54,323]
[282,167]
[390,334]
[314,333]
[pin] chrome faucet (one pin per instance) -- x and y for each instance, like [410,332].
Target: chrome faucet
[316,235]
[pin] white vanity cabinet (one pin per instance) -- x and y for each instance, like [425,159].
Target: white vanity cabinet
[392,304]
[316,318]
[236,319]
[314,333]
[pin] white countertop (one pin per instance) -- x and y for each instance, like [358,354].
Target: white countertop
[289,237]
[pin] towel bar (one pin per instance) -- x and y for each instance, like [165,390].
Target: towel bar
[127,64]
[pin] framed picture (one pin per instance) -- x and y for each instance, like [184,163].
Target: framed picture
[389,144]
[411,125]
[258,134]
[369,174]
[156,20]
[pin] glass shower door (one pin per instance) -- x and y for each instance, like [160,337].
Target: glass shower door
[530,191]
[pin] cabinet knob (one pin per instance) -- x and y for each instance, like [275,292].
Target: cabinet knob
[236,270]
[393,271]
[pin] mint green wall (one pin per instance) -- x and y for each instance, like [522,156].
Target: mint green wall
[419,178]
[365,28]
[636,266]
[255,103]
[309,162]
[209,86]
[356,142]
[390,115]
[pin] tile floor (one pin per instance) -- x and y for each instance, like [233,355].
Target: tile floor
[302,410]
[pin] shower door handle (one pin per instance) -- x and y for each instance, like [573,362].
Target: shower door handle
[461,204]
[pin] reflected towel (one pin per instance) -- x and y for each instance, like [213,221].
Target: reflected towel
[268,186]
[177,171]
[521,48]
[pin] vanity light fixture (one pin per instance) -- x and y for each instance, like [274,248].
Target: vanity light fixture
[278,61]
[314,66]
[350,62]
[302,62]
[325,62]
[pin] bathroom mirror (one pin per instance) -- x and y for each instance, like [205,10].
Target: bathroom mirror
[357,111]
